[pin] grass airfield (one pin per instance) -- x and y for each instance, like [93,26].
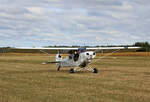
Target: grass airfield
[120,79]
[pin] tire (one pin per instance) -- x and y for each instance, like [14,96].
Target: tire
[95,70]
[71,70]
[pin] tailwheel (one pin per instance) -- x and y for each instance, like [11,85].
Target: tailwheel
[95,70]
[71,70]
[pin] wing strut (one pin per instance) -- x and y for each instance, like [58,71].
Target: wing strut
[47,54]
[105,56]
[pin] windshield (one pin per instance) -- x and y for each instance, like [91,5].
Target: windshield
[82,50]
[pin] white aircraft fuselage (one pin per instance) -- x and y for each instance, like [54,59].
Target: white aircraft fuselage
[81,60]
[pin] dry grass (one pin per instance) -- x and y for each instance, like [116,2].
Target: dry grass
[120,79]
[128,54]
[23,54]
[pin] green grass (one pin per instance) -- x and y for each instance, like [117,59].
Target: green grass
[120,79]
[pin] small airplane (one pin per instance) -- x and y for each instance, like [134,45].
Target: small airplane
[78,59]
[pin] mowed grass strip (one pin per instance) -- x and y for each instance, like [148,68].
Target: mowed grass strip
[120,79]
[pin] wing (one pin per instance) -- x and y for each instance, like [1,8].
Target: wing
[42,48]
[111,48]
[69,49]
[51,50]
[97,49]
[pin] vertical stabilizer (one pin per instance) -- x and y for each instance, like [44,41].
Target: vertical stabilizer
[58,57]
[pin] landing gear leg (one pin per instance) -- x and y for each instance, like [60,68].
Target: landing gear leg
[77,69]
[94,70]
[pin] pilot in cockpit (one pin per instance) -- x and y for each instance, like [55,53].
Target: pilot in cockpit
[76,56]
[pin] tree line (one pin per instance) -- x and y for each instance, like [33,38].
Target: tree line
[145,46]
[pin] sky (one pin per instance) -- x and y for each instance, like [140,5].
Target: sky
[28,23]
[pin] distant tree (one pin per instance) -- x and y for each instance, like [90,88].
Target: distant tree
[142,44]
[145,46]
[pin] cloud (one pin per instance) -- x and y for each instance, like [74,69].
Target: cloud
[68,22]
[36,10]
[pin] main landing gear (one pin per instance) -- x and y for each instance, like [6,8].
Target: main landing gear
[95,70]
[71,70]
[77,69]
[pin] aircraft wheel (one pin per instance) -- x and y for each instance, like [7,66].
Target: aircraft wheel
[95,70]
[71,70]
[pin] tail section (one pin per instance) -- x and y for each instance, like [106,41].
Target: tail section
[58,59]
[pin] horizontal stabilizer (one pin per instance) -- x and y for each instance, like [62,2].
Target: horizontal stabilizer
[51,62]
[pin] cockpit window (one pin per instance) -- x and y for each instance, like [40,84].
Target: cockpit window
[82,49]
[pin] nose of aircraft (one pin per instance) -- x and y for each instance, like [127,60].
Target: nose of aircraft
[90,55]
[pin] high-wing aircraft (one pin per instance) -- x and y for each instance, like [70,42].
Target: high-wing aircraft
[78,58]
